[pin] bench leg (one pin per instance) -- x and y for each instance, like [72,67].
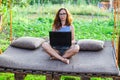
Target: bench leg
[57,77]
[85,78]
[48,76]
[116,78]
[20,76]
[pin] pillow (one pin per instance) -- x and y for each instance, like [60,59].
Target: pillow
[90,44]
[27,42]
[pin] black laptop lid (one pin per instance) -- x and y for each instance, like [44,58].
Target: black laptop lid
[60,39]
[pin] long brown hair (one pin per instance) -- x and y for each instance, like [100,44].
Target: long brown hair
[57,22]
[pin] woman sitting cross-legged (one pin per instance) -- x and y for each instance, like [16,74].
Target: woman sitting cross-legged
[62,22]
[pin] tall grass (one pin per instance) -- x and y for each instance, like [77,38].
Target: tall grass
[52,9]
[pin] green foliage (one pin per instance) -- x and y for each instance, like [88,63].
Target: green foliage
[95,2]
[3,13]
[4,2]
[3,10]
[6,76]
[35,77]
[38,28]
[98,78]
[70,78]
[23,3]
[94,29]
[32,2]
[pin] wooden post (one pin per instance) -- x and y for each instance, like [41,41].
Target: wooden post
[49,76]
[114,33]
[117,15]
[116,78]
[0,2]
[118,24]
[116,29]
[20,76]
[0,17]
[0,51]
[119,32]
[119,50]
[0,22]
[10,12]
[85,78]
[57,77]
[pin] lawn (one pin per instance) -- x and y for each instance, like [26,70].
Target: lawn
[9,76]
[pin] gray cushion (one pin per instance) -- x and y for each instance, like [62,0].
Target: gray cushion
[90,44]
[27,42]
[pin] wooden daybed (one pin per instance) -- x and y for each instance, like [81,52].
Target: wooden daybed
[85,64]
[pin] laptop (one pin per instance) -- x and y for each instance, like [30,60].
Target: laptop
[60,40]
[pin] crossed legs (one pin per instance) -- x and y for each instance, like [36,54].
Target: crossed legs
[71,51]
[55,53]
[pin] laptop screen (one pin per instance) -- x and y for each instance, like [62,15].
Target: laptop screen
[62,39]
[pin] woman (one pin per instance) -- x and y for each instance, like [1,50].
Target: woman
[62,22]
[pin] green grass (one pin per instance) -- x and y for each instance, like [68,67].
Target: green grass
[35,77]
[10,76]
[6,76]
[84,29]
[74,9]
[89,22]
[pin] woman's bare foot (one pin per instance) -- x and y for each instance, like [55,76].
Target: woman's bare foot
[53,58]
[66,61]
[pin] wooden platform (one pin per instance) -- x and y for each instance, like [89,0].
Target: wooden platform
[85,63]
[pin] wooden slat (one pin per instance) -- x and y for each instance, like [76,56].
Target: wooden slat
[2,69]
[116,78]
[37,72]
[28,71]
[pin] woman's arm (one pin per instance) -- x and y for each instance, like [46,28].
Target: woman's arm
[73,34]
